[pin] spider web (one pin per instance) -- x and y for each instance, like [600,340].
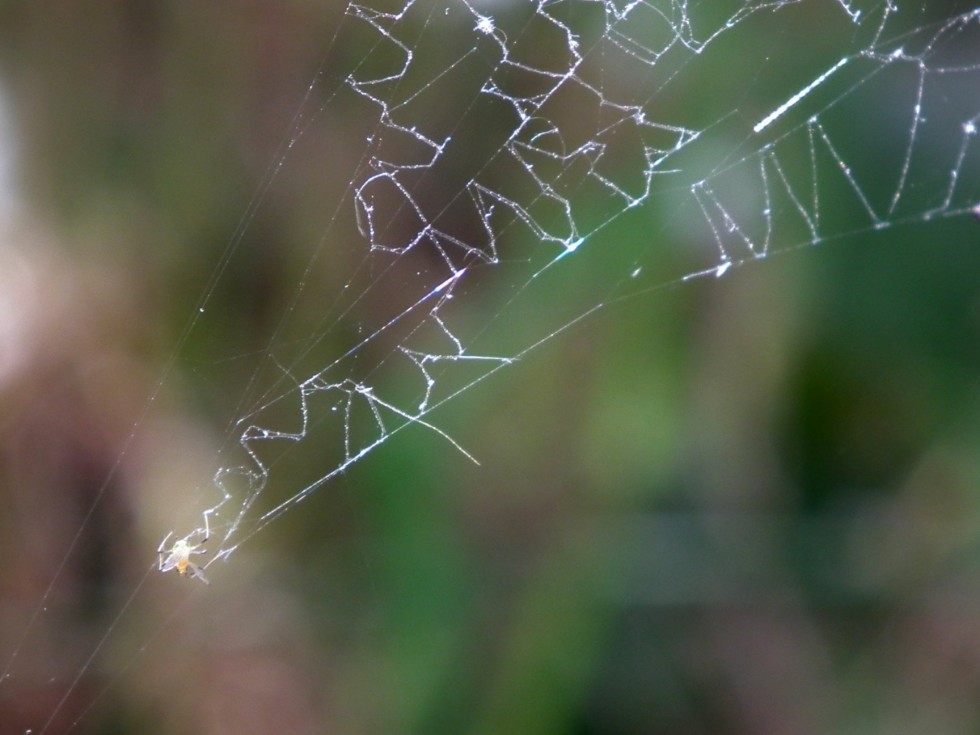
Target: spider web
[599,128]
[608,115]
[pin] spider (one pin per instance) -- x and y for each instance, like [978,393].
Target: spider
[178,556]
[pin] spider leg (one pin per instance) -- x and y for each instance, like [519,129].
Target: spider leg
[163,544]
[207,523]
[161,550]
[195,571]
[201,534]
[165,565]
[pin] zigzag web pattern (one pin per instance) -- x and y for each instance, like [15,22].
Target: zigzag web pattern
[592,136]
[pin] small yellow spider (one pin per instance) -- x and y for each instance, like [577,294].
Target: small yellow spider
[178,556]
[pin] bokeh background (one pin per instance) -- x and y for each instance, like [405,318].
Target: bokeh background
[736,505]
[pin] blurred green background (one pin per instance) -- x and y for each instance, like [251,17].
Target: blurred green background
[735,505]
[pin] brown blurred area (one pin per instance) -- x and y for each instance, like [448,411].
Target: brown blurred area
[743,505]
[104,241]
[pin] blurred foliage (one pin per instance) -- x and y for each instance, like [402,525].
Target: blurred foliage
[732,505]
